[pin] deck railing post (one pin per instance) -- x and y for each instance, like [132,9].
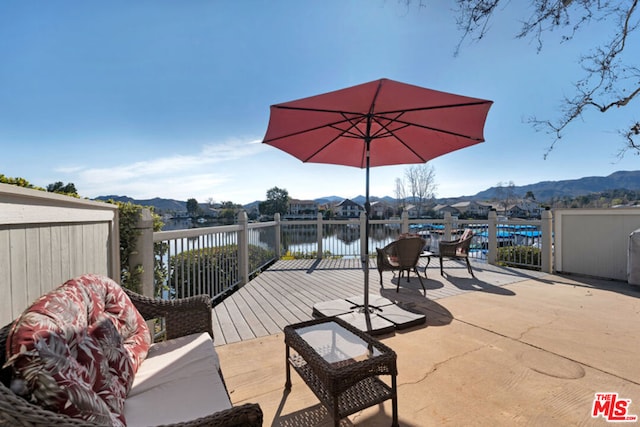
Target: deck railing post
[405,222]
[447,225]
[546,252]
[319,233]
[143,254]
[278,242]
[492,237]
[243,248]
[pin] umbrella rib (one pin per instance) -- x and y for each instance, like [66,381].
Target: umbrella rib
[440,131]
[331,125]
[355,113]
[411,149]
[435,107]
[407,124]
[385,127]
[344,131]
[318,110]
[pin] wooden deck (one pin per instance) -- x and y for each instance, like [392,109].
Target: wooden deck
[286,292]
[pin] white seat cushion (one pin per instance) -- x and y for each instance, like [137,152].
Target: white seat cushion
[183,371]
[393,261]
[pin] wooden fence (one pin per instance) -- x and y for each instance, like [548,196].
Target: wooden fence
[46,239]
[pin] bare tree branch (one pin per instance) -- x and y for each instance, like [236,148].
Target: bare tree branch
[608,82]
[610,79]
[473,19]
[420,180]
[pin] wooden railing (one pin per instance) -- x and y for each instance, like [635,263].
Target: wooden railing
[46,239]
[212,260]
[218,260]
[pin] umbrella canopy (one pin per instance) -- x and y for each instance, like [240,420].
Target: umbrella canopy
[398,123]
[379,123]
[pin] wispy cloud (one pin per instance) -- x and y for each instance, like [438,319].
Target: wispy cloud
[165,176]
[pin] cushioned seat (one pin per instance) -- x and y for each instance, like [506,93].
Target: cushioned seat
[182,370]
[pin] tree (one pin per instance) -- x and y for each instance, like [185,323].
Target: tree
[228,212]
[193,208]
[277,202]
[505,195]
[610,79]
[421,183]
[400,193]
[60,188]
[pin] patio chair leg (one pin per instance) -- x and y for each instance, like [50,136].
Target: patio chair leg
[441,270]
[420,278]
[469,268]
[400,274]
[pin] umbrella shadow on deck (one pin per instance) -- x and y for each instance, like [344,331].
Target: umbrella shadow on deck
[413,284]
[413,300]
[488,278]
[478,285]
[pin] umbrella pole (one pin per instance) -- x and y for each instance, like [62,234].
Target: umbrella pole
[367,209]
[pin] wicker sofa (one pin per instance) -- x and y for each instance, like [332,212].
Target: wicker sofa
[177,381]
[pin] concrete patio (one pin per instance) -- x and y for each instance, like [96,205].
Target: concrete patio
[533,352]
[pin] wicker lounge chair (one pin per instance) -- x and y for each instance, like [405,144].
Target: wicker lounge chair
[183,317]
[401,255]
[456,249]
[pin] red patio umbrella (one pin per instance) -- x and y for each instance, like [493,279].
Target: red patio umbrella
[383,122]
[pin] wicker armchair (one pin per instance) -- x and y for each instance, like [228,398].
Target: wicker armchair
[456,249]
[401,255]
[183,317]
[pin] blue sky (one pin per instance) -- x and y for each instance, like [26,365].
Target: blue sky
[171,98]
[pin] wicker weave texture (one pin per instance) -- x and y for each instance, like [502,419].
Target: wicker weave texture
[347,386]
[456,249]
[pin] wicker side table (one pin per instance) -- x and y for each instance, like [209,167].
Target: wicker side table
[341,365]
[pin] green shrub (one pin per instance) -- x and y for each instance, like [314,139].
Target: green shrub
[212,271]
[20,182]
[309,255]
[131,276]
[519,256]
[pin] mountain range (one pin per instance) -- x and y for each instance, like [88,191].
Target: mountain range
[543,192]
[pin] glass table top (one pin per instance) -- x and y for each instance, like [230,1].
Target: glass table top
[335,343]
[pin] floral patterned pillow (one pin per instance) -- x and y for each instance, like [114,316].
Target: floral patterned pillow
[109,300]
[76,349]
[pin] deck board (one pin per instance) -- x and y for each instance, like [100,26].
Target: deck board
[286,292]
[254,322]
[229,332]
[239,318]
